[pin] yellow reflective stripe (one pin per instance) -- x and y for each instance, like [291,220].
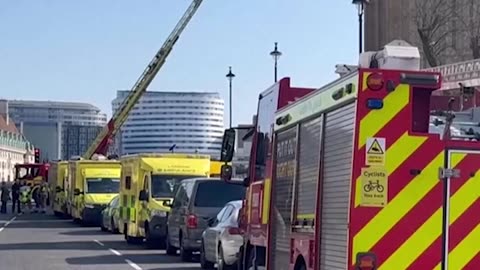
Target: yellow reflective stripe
[375,120]
[306,216]
[399,206]
[432,228]
[397,154]
[466,250]
[266,200]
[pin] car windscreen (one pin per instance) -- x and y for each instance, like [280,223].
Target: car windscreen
[217,193]
[165,185]
[103,185]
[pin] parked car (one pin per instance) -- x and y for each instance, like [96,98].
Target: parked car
[110,216]
[196,201]
[222,240]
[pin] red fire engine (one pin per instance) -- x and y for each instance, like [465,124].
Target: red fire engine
[32,173]
[351,176]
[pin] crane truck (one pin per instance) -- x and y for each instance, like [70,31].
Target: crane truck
[350,176]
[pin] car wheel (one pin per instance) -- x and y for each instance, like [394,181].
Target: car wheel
[169,249]
[203,260]
[185,255]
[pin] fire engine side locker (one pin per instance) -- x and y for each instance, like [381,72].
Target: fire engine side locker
[462,195]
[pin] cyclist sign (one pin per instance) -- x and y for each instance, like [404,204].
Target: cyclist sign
[374,187]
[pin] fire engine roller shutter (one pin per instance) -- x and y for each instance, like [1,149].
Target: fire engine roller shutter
[308,169]
[286,146]
[337,163]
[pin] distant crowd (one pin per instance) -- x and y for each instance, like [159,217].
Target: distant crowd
[22,195]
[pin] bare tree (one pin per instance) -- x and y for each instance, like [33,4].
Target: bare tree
[433,20]
[468,15]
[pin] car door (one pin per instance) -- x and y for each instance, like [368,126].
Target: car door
[210,233]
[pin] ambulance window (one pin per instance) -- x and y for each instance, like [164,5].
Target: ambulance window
[128,182]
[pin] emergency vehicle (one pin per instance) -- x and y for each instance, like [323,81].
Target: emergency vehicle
[32,173]
[350,176]
[147,188]
[92,185]
[58,175]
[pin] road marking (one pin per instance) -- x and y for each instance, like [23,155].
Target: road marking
[98,242]
[115,252]
[133,265]
[7,223]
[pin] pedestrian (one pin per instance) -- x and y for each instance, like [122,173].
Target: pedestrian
[16,196]
[5,196]
[25,199]
[35,193]
[43,197]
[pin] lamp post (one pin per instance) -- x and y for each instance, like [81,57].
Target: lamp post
[276,55]
[230,77]
[361,10]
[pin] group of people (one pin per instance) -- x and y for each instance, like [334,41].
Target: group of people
[21,194]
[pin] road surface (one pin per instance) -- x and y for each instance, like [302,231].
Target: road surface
[44,242]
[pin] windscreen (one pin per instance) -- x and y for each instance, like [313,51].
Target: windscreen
[217,193]
[103,185]
[165,185]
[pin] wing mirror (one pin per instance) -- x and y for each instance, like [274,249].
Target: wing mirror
[228,145]
[77,192]
[143,196]
[167,203]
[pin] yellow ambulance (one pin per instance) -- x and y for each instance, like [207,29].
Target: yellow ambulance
[58,178]
[93,184]
[147,187]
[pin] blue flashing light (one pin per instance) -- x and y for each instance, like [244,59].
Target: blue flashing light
[374,104]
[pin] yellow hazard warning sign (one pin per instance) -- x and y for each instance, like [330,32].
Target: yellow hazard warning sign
[375,152]
[374,185]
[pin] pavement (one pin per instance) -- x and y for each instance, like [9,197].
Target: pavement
[45,242]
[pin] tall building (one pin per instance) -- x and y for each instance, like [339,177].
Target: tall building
[44,122]
[14,148]
[455,22]
[190,121]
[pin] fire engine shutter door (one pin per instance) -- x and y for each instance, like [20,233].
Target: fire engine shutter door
[308,169]
[282,198]
[337,162]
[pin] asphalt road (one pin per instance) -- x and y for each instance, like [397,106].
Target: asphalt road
[44,242]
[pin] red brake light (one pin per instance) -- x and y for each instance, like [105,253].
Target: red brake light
[234,231]
[375,81]
[192,222]
[366,263]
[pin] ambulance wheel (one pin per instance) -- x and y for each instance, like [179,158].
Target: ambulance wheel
[130,240]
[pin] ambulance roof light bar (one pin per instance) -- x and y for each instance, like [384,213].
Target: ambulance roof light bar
[397,54]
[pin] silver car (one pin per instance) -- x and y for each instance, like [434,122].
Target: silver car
[110,215]
[222,240]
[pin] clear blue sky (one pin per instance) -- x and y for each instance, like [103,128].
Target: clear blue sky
[86,50]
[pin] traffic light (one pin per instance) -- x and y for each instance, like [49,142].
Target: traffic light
[37,155]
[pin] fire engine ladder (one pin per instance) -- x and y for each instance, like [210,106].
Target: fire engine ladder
[101,142]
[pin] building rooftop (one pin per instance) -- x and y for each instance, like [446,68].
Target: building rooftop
[10,127]
[171,93]
[53,104]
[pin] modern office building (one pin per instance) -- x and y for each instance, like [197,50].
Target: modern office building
[14,148]
[43,123]
[387,20]
[76,139]
[188,122]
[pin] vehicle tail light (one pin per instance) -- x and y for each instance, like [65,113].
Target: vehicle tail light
[192,222]
[366,261]
[234,231]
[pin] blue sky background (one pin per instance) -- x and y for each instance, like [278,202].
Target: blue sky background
[86,50]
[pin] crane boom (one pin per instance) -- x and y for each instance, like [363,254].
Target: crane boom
[101,142]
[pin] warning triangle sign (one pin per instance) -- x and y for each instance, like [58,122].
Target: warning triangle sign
[375,148]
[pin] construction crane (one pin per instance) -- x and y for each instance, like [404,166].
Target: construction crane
[103,139]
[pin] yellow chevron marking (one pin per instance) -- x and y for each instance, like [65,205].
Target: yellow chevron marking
[364,83]
[396,209]
[375,120]
[464,252]
[432,228]
[402,149]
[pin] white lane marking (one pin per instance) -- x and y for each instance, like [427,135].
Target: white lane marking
[133,265]
[115,252]
[98,242]
[7,223]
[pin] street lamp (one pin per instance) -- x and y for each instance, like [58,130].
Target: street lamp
[230,77]
[276,55]
[361,10]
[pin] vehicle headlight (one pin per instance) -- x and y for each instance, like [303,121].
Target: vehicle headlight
[159,213]
[89,206]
